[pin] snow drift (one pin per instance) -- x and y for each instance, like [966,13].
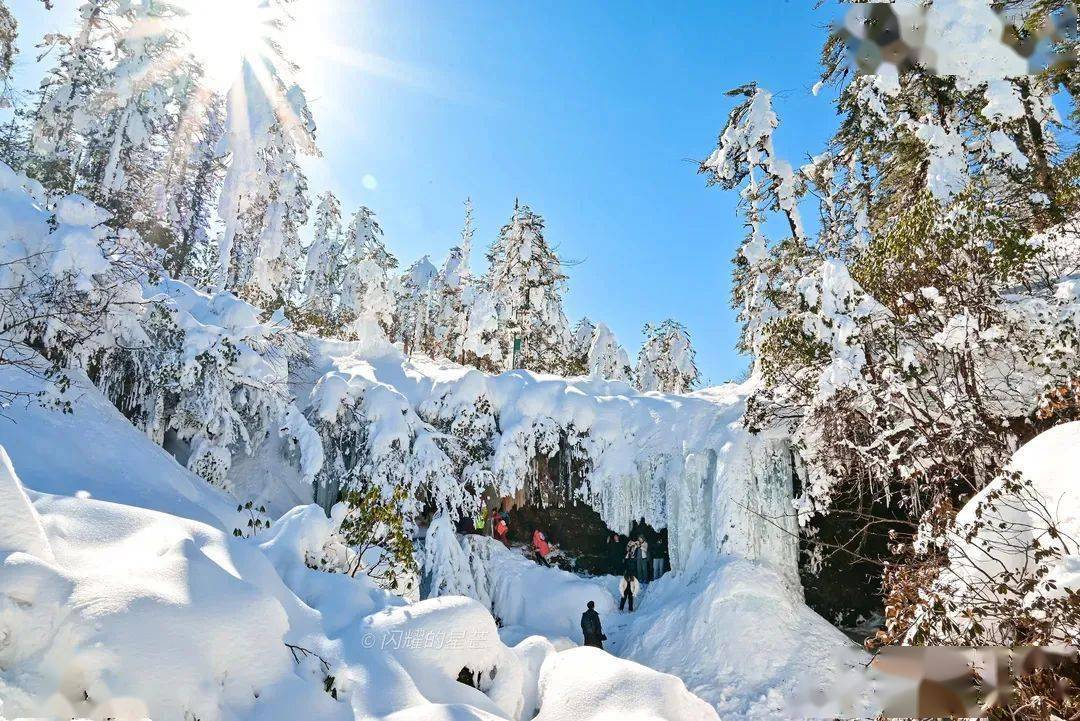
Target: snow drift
[112,611]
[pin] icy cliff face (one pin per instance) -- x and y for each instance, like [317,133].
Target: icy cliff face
[685,463]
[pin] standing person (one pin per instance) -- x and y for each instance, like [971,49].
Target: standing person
[502,530]
[628,557]
[615,554]
[541,546]
[641,558]
[628,587]
[590,627]
[658,560]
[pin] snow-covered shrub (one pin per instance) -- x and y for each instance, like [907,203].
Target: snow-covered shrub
[212,379]
[202,374]
[69,285]
[1003,571]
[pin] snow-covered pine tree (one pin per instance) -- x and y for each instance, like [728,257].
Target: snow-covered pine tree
[135,112]
[190,188]
[745,159]
[65,108]
[368,292]
[8,31]
[607,359]
[667,361]
[482,343]
[324,268]
[264,197]
[527,279]
[449,311]
[595,351]
[413,307]
[577,360]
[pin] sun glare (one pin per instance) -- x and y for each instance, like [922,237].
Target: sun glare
[224,33]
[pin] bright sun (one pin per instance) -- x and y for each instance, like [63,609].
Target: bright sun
[224,33]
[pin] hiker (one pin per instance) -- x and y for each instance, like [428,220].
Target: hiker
[638,551]
[614,554]
[628,587]
[658,559]
[502,529]
[478,522]
[541,546]
[590,627]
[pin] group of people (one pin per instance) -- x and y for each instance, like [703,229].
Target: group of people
[633,554]
[499,523]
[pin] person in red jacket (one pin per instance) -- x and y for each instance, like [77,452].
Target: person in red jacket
[502,529]
[542,547]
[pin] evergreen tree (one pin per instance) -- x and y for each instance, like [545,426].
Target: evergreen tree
[135,112]
[268,127]
[413,314]
[607,359]
[745,159]
[450,315]
[190,188]
[324,266]
[577,361]
[65,112]
[667,361]
[368,292]
[527,279]
[483,341]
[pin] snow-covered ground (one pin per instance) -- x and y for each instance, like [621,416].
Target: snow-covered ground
[136,599]
[113,611]
[735,631]
[123,594]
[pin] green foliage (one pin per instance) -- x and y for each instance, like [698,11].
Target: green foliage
[376,522]
[257,520]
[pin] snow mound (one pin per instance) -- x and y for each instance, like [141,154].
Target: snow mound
[587,684]
[144,615]
[94,452]
[1048,464]
[739,637]
[20,527]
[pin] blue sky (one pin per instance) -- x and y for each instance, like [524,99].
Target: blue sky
[592,112]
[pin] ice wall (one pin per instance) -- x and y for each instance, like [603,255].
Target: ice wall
[681,462]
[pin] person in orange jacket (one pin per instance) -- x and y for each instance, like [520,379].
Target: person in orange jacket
[542,547]
[502,529]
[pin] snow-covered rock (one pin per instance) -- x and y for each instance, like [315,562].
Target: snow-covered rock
[586,684]
[1007,526]
[765,648]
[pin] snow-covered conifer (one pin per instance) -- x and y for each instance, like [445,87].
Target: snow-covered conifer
[667,360]
[66,109]
[607,359]
[449,295]
[413,306]
[268,127]
[324,266]
[527,279]
[367,287]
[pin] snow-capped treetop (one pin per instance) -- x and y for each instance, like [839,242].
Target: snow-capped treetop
[364,239]
[323,269]
[526,276]
[608,359]
[745,153]
[666,362]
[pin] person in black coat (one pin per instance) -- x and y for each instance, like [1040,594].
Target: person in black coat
[590,627]
[615,551]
